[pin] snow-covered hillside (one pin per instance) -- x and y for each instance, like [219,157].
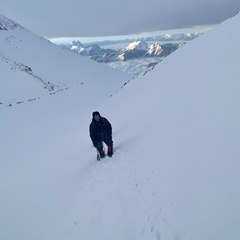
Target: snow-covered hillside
[175,171]
[32,67]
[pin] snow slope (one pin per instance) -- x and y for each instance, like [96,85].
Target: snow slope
[35,67]
[175,171]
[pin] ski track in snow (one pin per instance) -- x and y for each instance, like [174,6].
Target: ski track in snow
[104,176]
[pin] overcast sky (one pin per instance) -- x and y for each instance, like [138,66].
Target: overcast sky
[88,18]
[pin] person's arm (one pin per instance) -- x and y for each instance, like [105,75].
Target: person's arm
[109,129]
[92,135]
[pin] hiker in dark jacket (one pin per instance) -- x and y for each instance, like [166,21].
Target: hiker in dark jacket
[101,131]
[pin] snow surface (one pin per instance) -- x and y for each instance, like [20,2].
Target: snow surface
[175,171]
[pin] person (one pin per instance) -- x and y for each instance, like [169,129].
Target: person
[101,131]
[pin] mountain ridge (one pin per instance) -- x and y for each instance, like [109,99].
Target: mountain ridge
[134,50]
[138,57]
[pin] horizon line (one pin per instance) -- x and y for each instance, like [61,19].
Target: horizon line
[65,40]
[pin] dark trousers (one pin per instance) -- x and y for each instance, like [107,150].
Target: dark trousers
[107,141]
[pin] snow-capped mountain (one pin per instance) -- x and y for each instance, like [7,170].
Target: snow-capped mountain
[137,46]
[136,49]
[35,66]
[175,170]
[142,49]
[138,57]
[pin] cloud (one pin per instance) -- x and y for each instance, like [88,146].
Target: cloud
[88,18]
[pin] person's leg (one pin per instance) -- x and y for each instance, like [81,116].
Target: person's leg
[110,150]
[100,149]
[109,143]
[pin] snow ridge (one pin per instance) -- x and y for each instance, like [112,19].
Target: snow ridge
[7,24]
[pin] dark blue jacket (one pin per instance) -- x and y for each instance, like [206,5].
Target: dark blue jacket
[100,130]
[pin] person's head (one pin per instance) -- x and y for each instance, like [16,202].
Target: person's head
[96,116]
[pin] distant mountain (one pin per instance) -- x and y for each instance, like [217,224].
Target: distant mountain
[143,49]
[134,50]
[138,57]
[174,37]
[181,37]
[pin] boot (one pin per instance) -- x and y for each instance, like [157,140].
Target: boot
[102,153]
[110,151]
